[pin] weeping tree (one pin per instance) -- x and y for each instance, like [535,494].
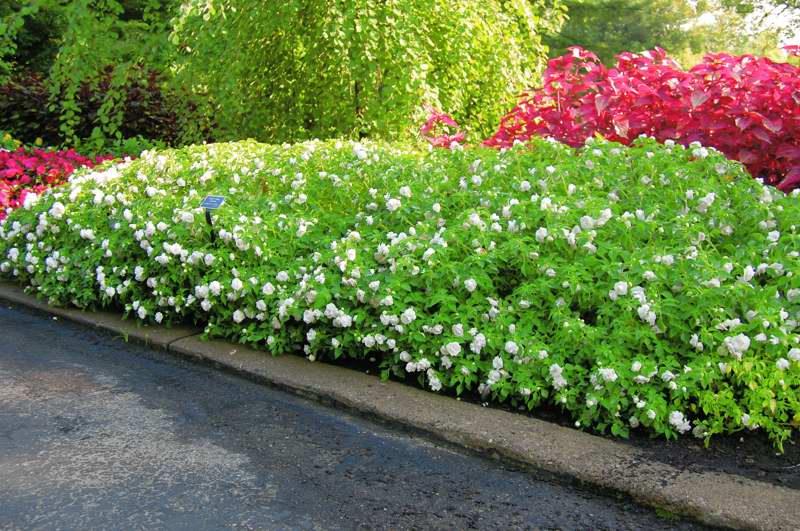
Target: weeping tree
[296,69]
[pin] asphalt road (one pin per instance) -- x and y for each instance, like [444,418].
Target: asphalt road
[99,434]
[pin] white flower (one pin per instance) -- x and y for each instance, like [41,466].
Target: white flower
[282,276]
[268,289]
[621,288]
[737,345]
[311,335]
[110,292]
[408,316]
[30,200]
[646,314]
[556,374]
[748,274]
[636,366]
[57,210]
[511,347]
[236,284]
[470,285]
[695,342]
[609,375]
[541,234]
[497,362]
[359,151]
[679,422]
[794,354]
[238,316]
[782,364]
[392,204]
[453,349]
[478,342]
[159,317]
[705,202]
[215,287]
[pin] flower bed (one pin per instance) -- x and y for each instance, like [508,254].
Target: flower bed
[25,173]
[653,287]
[745,106]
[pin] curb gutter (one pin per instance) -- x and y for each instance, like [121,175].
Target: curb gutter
[713,498]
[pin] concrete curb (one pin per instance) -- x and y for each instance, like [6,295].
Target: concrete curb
[717,499]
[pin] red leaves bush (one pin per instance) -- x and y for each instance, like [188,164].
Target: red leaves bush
[27,171]
[435,129]
[747,107]
[148,111]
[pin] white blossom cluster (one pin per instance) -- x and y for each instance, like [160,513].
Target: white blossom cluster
[624,285]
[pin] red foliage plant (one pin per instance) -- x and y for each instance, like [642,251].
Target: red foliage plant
[434,130]
[26,171]
[747,107]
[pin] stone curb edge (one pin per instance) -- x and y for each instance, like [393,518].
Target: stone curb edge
[713,498]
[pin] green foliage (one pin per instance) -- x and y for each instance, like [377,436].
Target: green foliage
[686,29]
[119,148]
[609,27]
[100,47]
[12,20]
[652,287]
[296,69]
[8,142]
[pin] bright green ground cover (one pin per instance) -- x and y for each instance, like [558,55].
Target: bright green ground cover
[652,287]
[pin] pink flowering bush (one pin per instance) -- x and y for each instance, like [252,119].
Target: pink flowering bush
[746,107]
[32,171]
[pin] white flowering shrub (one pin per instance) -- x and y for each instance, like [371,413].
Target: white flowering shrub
[651,287]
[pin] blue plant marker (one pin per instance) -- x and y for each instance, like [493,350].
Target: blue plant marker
[212,202]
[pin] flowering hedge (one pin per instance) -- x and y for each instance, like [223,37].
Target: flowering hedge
[32,171]
[747,107]
[651,287]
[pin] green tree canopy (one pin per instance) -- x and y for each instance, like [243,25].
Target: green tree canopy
[687,30]
[313,68]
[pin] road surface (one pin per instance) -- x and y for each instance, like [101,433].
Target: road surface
[96,433]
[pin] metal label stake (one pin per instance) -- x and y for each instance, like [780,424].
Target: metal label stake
[212,202]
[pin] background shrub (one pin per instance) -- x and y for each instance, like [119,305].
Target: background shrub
[91,75]
[281,71]
[745,106]
[651,287]
[145,109]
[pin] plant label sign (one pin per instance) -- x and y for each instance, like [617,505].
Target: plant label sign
[212,202]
